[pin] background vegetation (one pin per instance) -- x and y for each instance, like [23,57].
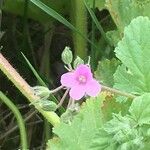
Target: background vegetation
[41,29]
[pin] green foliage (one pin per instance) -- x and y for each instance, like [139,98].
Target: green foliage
[133,51]
[17,7]
[100,123]
[105,70]
[78,61]
[78,134]
[140,109]
[127,132]
[67,56]
[42,90]
[110,106]
[123,11]
[113,37]
[119,133]
[51,12]
[95,20]
[100,4]
[68,116]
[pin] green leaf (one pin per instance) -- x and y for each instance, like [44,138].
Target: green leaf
[146,146]
[134,51]
[105,71]
[103,141]
[17,7]
[110,106]
[113,37]
[140,109]
[78,134]
[120,133]
[123,11]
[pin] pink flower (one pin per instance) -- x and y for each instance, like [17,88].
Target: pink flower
[81,82]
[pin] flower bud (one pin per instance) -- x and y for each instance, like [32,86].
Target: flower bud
[67,55]
[68,116]
[47,105]
[78,61]
[41,91]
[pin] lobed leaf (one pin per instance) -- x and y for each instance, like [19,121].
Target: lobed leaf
[134,51]
[105,70]
[79,133]
[123,11]
[120,133]
[140,109]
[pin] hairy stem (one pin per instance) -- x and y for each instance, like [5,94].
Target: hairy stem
[63,98]
[93,40]
[19,118]
[25,89]
[79,17]
[57,89]
[115,91]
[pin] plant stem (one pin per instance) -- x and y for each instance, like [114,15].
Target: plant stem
[93,40]
[25,89]
[47,131]
[56,90]
[63,98]
[69,103]
[115,91]
[79,17]
[19,118]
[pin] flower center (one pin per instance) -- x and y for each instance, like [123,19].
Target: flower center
[82,79]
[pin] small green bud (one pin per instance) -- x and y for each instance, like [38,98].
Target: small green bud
[47,105]
[72,111]
[41,91]
[67,56]
[78,61]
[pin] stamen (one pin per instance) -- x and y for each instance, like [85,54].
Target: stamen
[82,79]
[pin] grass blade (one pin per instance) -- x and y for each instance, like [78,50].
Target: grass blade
[58,17]
[52,97]
[95,20]
[34,71]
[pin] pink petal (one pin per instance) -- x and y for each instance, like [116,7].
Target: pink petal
[93,88]
[85,71]
[77,92]
[68,79]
